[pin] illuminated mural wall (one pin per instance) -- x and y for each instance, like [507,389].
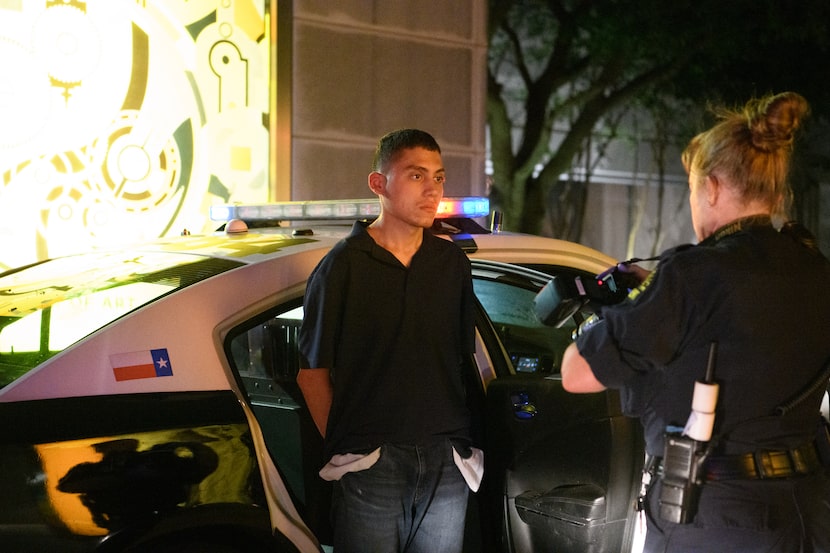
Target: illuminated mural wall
[123,120]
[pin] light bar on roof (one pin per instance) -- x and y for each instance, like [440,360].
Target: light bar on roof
[297,211]
[469,207]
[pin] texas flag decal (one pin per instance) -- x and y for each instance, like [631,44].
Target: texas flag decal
[141,364]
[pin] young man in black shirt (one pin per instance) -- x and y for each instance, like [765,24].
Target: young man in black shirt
[388,321]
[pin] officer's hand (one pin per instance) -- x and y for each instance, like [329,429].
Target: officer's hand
[634,271]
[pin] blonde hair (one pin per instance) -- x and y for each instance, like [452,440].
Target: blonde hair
[752,148]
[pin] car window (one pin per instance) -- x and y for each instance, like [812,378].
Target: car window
[507,298]
[46,307]
[266,347]
[264,355]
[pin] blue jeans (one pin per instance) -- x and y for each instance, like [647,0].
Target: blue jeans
[412,500]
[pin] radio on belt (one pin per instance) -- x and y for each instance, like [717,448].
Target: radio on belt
[685,453]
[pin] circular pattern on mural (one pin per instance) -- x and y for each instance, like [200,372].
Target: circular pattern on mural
[128,172]
[67,43]
[69,210]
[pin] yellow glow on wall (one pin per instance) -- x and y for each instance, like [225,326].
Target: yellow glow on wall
[124,120]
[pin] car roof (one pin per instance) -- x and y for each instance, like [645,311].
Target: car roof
[257,244]
[234,273]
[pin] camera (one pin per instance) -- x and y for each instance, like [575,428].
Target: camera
[563,295]
[683,459]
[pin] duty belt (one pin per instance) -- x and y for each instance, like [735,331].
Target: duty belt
[764,464]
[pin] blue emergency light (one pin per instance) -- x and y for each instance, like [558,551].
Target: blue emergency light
[467,207]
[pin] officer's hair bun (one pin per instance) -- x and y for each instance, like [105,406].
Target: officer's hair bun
[773,120]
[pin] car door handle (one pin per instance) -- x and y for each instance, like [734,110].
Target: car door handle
[523,408]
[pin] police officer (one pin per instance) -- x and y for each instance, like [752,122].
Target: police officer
[761,294]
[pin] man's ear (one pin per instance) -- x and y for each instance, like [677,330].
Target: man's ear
[377,183]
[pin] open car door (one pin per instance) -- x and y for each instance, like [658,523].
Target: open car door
[562,470]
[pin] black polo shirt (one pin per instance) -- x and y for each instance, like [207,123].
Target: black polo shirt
[394,338]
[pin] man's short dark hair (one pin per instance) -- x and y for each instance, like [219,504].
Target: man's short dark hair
[402,139]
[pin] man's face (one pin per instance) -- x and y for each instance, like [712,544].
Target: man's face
[414,186]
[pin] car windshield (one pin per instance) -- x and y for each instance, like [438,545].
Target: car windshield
[46,307]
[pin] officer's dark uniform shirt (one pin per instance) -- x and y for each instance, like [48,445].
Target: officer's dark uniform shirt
[393,338]
[763,297]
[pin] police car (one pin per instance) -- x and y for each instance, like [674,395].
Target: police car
[149,395]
